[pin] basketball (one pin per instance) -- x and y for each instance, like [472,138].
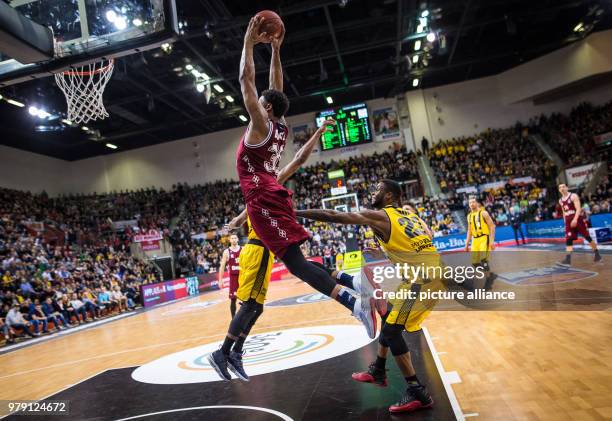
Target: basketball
[272,24]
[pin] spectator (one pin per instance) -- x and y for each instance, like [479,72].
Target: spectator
[15,320]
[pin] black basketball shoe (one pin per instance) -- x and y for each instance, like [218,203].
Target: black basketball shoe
[415,397]
[218,361]
[374,375]
[235,364]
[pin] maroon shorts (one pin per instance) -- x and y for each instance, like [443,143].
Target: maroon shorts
[233,285]
[273,219]
[572,233]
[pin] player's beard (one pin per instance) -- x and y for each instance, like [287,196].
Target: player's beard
[376,202]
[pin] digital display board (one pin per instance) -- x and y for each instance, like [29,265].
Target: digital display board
[353,127]
[163,292]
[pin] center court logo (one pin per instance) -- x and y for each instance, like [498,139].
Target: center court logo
[192,307]
[265,353]
[300,299]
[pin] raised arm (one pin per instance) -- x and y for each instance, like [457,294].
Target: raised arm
[276,68]
[304,153]
[259,119]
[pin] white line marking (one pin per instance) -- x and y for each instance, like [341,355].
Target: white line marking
[471,414]
[452,377]
[442,353]
[449,390]
[256,408]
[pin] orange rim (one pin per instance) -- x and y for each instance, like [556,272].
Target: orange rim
[95,72]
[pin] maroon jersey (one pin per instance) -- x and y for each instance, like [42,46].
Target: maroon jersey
[233,261]
[569,211]
[258,164]
[269,204]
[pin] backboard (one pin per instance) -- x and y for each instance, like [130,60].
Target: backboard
[90,30]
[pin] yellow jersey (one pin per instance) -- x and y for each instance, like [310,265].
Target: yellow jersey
[251,235]
[478,225]
[408,240]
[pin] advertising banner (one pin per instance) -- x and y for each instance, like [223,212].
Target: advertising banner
[163,292]
[576,176]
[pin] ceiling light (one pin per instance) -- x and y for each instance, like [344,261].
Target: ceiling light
[229,98]
[195,72]
[204,75]
[137,22]
[66,121]
[218,88]
[415,59]
[415,82]
[424,13]
[189,67]
[431,37]
[111,16]
[177,69]
[85,128]
[15,103]
[578,27]
[33,110]
[43,114]
[420,28]
[242,117]
[120,23]
[417,45]
[200,87]
[329,100]
[110,145]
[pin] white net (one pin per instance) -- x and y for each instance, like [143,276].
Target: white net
[83,87]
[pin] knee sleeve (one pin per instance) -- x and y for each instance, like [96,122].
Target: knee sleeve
[329,271]
[393,337]
[569,242]
[313,275]
[241,321]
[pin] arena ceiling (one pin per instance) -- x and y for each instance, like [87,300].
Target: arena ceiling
[351,50]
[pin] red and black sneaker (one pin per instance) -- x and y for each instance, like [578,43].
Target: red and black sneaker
[416,397]
[374,375]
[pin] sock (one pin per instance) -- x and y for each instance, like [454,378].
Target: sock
[345,298]
[380,362]
[345,279]
[227,345]
[412,380]
[239,343]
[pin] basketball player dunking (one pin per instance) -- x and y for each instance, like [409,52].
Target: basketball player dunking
[575,223]
[256,263]
[269,204]
[231,260]
[406,239]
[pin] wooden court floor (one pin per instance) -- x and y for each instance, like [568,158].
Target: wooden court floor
[512,365]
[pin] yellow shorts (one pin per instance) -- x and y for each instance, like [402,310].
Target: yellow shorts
[256,263]
[480,249]
[411,312]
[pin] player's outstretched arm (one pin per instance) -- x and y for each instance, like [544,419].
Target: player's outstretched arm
[259,118]
[363,217]
[276,68]
[304,153]
[238,221]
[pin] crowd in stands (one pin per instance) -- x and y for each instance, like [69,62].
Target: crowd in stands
[45,281]
[572,136]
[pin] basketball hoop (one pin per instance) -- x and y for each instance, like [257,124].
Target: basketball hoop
[83,87]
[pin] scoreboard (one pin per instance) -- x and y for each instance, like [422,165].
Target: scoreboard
[352,127]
